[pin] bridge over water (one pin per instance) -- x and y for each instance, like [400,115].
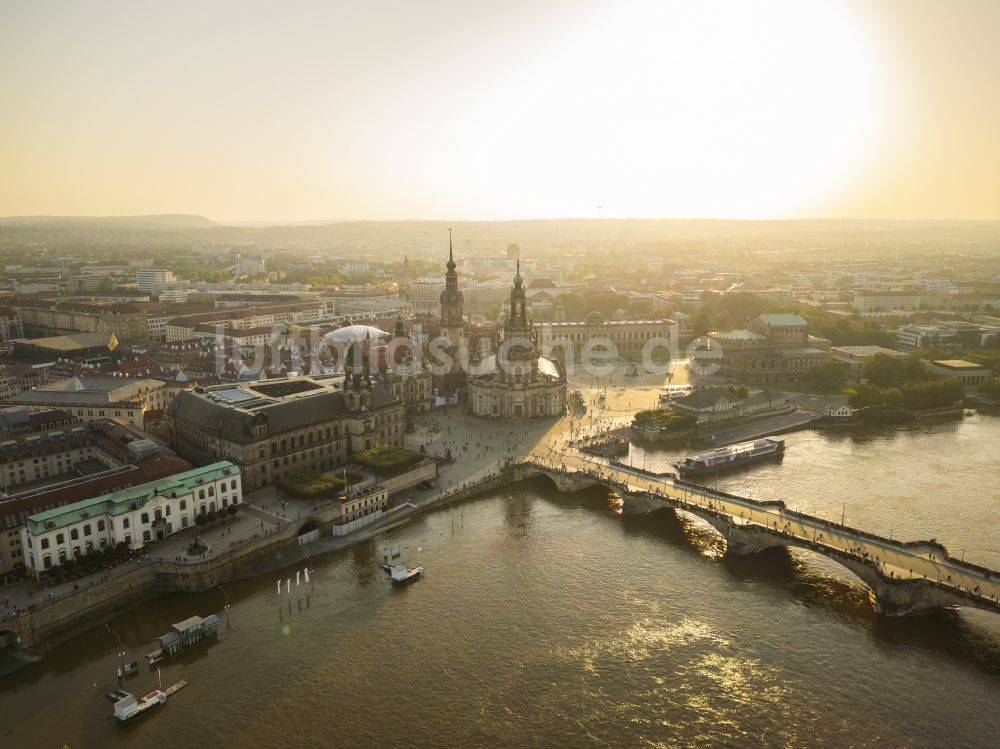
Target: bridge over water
[905,576]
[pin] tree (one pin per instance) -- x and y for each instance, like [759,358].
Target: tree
[829,375]
[872,396]
[200,518]
[990,388]
[932,393]
[723,320]
[640,309]
[700,323]
[573,305]
[884,370]
[865,396]
[892,398]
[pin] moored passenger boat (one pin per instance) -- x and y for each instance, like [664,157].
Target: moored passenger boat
[732,456]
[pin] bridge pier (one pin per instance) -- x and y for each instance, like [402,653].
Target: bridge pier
[900,597]
[743,539]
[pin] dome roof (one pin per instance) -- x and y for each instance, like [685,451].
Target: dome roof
[594,318]
[350,332]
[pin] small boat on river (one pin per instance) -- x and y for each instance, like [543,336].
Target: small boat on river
[402,574]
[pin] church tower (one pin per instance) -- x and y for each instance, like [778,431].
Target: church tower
[357,381]
[518,319]
[520,337]
[452,303]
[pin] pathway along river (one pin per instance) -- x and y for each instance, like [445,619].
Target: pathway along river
[545,619]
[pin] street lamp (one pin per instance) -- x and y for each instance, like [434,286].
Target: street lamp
[121,652]
[219,586]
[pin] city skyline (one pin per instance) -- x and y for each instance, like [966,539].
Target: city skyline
[592,110]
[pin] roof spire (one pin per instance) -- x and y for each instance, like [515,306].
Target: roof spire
[450,258]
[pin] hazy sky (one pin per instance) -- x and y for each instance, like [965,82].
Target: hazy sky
[468,109]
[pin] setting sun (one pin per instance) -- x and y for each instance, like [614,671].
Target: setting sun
[683,109]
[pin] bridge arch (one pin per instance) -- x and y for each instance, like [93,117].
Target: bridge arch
[309,531]
[8,639]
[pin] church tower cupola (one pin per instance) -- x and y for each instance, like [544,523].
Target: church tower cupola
[452,301]
[518,320]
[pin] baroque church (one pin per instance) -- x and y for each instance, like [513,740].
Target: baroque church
[516,381]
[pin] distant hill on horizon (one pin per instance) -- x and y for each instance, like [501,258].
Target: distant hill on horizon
[176,221]
[850,236]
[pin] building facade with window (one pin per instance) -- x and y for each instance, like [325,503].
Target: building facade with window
[567,341]
[136,516]
[10,325]
[275,428]
[89,398]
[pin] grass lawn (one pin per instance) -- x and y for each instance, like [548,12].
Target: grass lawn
[388,459]
[313,485]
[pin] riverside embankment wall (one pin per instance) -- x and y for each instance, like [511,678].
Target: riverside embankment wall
[82,609]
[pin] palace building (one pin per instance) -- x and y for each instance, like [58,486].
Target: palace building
[631,339]
[136,515]
[274,428]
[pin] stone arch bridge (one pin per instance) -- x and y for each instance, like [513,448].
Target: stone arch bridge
[905,576]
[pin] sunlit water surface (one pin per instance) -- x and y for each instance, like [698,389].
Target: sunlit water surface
[547,619]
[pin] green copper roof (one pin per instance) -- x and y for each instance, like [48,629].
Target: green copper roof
[741,335]
[782,320]
[122,501]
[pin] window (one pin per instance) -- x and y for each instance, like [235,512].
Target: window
[100,525]
[184,504]
[146,536]
[45,543]
[145,518]
[86,529]
[211,491]
[125,523]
